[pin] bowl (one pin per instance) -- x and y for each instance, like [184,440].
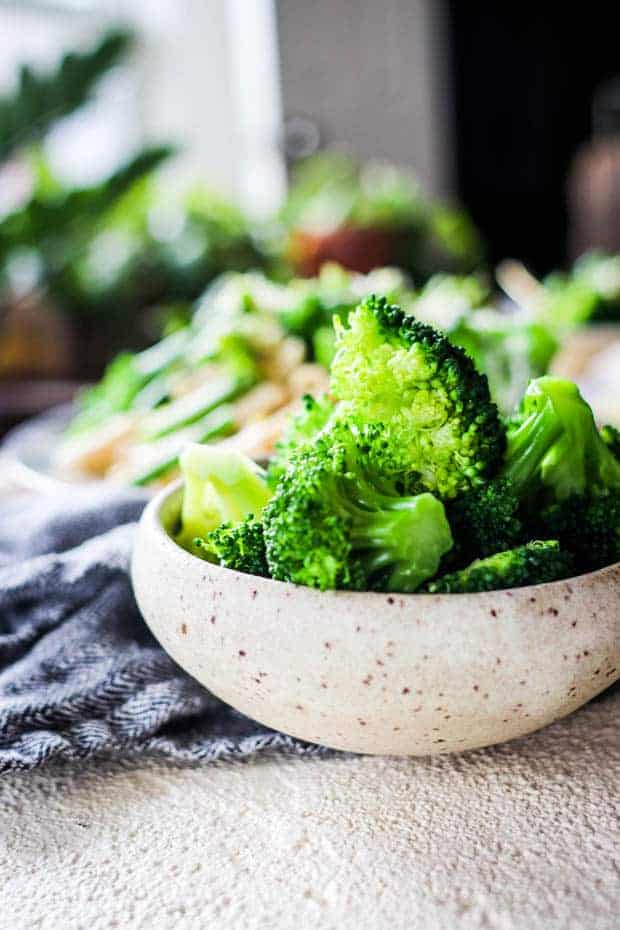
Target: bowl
[27,450]
[378,673]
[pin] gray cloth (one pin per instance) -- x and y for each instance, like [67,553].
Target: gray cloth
[80,673]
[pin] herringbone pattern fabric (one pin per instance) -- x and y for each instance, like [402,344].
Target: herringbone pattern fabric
[80,674]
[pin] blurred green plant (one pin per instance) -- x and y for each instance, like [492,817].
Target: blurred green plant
[41,99]
[115,249]
[331,191]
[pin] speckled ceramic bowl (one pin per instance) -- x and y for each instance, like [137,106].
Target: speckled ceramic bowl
[378,673]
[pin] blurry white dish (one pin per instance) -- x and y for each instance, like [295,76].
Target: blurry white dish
[27,451]
[379,673]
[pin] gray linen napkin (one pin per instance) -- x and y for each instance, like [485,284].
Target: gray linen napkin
[80,673]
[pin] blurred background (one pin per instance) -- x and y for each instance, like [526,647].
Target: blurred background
[148,146]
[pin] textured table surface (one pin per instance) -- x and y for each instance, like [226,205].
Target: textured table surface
[519,836]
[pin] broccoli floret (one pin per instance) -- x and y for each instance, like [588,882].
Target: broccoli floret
[328,526]
[611,437]
[483,521]
[240,546]
[302,428]
[565,473]
[220,486]
[554,446]
[508,350]
[587,525]
[534,563]
[441,431]
[591,291]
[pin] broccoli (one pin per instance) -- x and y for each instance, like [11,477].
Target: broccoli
[554,449]
[534,563]
[446,299]
[588,525]
[508,350]
[240,546]
[302,428]
[483,521]
[220,486]
[565,473]
[328,526]
[611,437]
[440,430]
[590,292]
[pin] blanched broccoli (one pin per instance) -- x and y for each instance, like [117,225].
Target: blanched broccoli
[509,351]
[534,563]
[302,428]
[220,487]
[611,437]
[483,521]
[328,526]
[587,525]
[440,430]
[240,546]
[554,447]
[565,472]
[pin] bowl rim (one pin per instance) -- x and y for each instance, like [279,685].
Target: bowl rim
[152,520]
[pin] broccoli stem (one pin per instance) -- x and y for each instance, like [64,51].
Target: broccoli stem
[403,541]
[528,445]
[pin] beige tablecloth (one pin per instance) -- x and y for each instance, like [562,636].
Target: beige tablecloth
[519,837]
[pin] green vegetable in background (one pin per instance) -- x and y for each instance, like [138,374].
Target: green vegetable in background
[331,191]
[589,293]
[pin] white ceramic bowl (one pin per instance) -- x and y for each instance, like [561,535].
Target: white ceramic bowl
[379,673]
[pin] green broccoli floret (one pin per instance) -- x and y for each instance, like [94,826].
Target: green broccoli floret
[554,446]
[328,526]
[220,486]
[301,429]
[589,526]
[483,521]
[240,546]
[590,292]
[565,473]
[534,563]
[508,350]
[441,431]
[611,437]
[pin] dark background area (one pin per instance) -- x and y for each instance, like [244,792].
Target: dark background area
[523,80]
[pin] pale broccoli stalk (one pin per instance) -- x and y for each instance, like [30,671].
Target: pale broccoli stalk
[220,487]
